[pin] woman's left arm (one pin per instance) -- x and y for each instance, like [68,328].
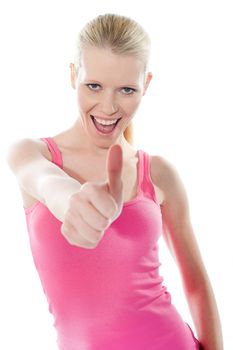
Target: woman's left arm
[181,241]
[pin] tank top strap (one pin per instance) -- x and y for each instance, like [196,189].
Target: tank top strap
[145,183]
[146,186]
[56,153]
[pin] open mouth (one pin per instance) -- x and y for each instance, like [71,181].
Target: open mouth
[104,129]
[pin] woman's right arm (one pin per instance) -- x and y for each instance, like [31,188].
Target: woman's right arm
[87,210]
[41,178]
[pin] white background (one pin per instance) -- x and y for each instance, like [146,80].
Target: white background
[185,117]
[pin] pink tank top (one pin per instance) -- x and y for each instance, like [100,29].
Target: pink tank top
[110,297]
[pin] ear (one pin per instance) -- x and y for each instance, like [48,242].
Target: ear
[149,76]
[73,75]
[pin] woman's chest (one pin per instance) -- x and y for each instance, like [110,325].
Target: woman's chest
[85,169]
[94,171]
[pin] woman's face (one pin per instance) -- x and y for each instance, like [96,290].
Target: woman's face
[109,87]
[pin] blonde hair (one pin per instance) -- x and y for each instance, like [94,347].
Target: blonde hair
[122,35]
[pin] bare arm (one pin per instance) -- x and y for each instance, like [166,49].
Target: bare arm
[180,238]
[56,190]
[41,178]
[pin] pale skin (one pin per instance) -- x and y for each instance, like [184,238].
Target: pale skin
[115,167]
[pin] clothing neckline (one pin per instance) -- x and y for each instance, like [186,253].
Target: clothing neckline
[144,185]
[139,164]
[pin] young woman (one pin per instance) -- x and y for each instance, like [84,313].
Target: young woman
[96,207]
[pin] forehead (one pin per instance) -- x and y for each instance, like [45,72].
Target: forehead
[101,64]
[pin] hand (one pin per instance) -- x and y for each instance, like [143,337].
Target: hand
[96,205]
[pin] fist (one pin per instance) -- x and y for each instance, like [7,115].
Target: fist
[96,205]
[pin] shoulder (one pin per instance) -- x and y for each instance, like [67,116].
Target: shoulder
[42,148]
[20,153]
[165,175]
[26,147]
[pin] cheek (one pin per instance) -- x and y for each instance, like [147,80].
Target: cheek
[132,104]
[84,101]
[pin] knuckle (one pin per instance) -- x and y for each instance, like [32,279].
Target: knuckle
[74,239]
[104,223]
[111,212]
[63,230]
[86,187]
[71,241]
[73,197]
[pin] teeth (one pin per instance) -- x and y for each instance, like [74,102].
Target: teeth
[105,122]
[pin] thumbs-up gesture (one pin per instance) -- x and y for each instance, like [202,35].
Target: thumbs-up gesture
[96,205]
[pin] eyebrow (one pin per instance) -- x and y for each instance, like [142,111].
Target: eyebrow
[125,85]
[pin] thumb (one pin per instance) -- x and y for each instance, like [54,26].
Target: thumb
[114,171]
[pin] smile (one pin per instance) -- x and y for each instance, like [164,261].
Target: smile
[105,127]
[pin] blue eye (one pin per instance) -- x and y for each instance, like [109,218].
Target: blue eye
[94,87]
[132,90]
[89,85]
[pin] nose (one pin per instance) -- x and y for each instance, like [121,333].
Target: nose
[108,104]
